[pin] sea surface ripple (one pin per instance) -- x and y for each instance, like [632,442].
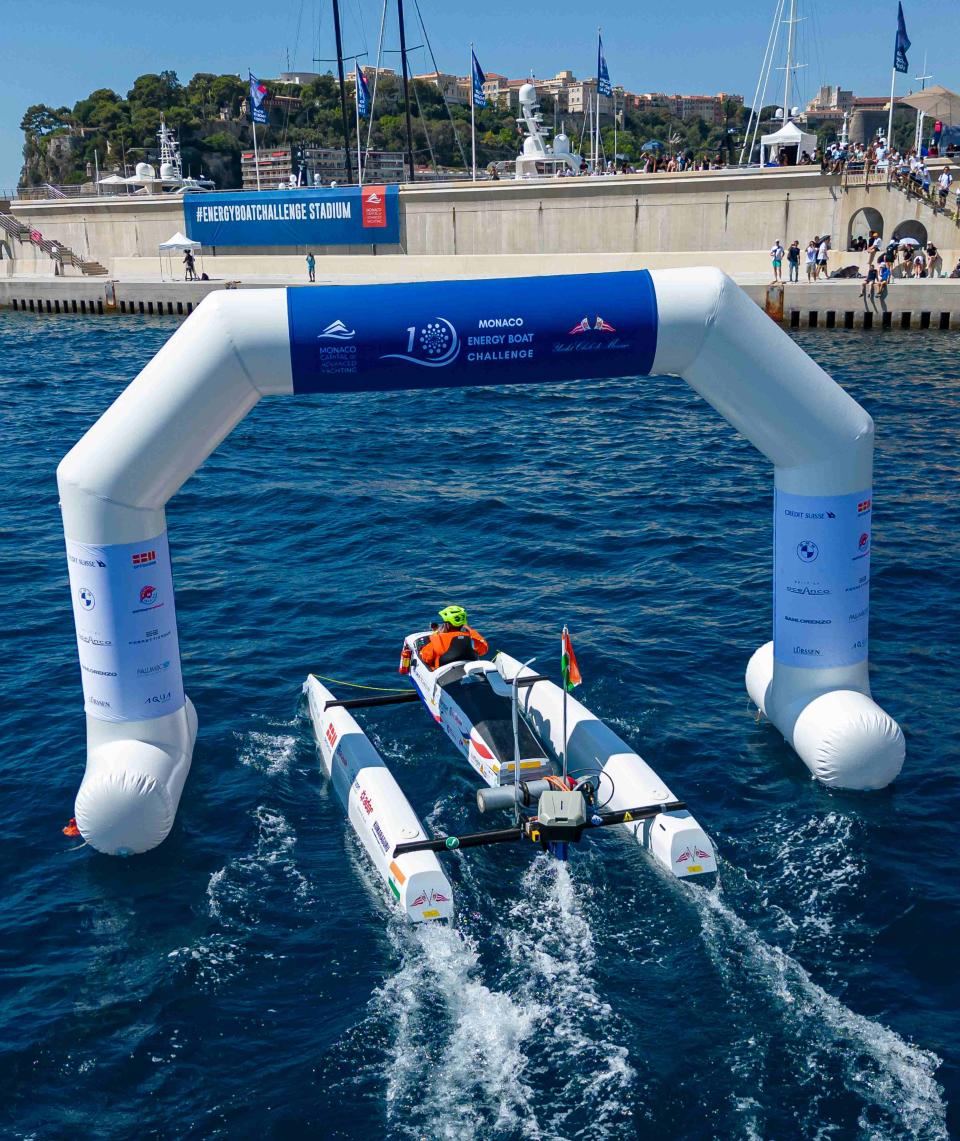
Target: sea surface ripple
[248,978]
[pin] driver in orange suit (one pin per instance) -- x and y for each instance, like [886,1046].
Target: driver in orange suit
[455,641]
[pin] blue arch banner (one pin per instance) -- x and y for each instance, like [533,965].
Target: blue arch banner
[455,333]
[347,216]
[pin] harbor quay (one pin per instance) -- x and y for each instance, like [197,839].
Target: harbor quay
[725,219]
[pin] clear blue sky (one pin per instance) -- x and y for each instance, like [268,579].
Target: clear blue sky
[58,51]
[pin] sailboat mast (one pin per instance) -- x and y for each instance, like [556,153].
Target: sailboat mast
[406,91]
[786,87]
[343,92]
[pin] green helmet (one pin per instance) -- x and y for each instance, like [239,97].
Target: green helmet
[455,615]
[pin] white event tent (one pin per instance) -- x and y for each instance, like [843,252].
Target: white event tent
[789,136]
[177,244]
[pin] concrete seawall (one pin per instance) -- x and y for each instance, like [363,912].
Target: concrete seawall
[923,304]
[708,211]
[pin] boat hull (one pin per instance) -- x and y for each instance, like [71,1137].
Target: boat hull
[377,810]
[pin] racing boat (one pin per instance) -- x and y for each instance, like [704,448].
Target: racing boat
[558,769]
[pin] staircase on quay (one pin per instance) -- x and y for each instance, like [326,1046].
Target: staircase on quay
[14,229]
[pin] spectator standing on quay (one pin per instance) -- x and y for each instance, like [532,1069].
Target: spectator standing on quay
[793,260]
[823,251]
[190,270]
[776,255]
[311,267]
[811,259]
[934,261]
[55,254]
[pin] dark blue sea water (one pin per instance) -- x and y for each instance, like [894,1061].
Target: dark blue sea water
[247,978]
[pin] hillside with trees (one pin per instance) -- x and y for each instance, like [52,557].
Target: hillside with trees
[64,145]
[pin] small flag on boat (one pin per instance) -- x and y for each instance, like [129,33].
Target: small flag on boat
[479,79]
[568,662]
[603,75]
[903,44]
[258,92]
[363,93]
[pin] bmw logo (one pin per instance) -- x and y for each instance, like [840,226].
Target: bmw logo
[86,599]
[807,551]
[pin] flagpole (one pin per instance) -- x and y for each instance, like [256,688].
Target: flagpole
[473,123]
[564,680]
[253,124]
[356,100]
[599,41]
[893,84]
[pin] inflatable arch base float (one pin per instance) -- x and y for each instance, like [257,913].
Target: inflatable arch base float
[811,681]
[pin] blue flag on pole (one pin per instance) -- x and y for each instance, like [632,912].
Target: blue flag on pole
[363,93]
[603,76]
[258,92]
[903,43]
[479,79]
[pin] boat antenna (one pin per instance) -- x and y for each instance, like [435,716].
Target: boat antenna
[343,91]
[406,89]
[516,738]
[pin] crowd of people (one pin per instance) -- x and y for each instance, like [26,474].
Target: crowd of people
[898,258]
[907,170]
[815,258]
[652,162]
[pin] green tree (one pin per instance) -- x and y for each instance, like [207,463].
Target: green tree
[39,119]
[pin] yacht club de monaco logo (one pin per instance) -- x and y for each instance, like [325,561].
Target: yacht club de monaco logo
[598,326]
[433,344]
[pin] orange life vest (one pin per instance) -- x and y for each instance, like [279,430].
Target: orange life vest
[447,646]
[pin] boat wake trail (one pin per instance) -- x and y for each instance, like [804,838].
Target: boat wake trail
[551,948]
[241,896]
[457,1066]
[810,1049]
[466,1056]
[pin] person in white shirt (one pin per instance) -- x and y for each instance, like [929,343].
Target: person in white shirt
[873,248]
[822,253]
[943,186]
[776,256]
[811,260]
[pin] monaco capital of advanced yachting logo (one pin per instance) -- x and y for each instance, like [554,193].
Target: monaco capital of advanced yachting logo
[337,331]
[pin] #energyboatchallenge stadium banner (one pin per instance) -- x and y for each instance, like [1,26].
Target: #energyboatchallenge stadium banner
[348,216]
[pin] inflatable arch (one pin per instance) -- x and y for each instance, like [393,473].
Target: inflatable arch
[810,681]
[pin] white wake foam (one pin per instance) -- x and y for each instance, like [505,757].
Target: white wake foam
[894,1079]
[269,753]
[239,893]
[456,1066]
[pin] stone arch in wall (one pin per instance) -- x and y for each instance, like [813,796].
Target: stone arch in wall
[863,222]
[911,228]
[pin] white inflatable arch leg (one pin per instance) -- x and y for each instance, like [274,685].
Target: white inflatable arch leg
[811,681]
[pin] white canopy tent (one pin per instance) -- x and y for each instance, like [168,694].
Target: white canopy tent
[790,139]
[177,244]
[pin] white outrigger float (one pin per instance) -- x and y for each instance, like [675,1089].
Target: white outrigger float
[508,722]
